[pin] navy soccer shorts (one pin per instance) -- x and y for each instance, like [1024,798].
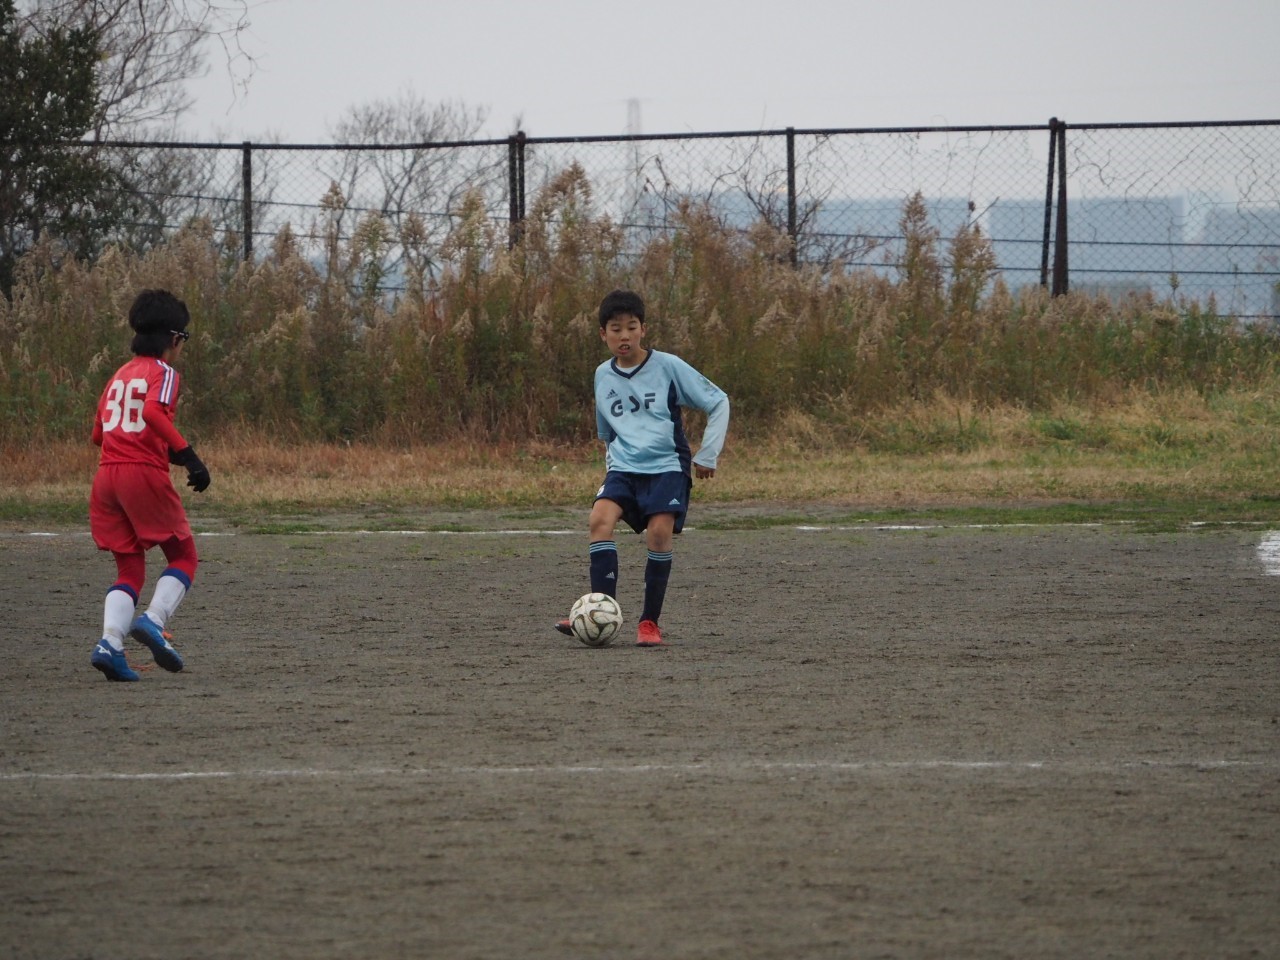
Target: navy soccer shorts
[641,495]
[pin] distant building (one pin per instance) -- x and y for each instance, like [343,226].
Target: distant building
[1168,246]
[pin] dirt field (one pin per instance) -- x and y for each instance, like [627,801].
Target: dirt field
[1020,742]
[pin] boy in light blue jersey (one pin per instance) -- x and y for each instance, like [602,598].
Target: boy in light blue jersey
[649,469]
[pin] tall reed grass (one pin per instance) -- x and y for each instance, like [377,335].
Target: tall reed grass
[499,344]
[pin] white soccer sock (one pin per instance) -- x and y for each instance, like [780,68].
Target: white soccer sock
[164,601]
[117,617]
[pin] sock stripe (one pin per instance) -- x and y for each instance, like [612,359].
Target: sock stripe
[602,545]
[124,588]
[179,575]
[661,557]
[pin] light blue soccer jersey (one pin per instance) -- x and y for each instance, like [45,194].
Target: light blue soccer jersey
[638,414]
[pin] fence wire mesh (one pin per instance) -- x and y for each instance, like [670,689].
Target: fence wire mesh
[1185,211]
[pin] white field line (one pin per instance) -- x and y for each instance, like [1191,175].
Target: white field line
[40,534]
[1064,767]
[1269,552]
[522,532]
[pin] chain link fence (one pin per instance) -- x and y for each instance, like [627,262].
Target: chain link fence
[1185,211]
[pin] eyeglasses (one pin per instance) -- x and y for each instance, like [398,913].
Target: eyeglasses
[181,335]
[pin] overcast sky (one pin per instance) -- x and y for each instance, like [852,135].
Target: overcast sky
[570,67]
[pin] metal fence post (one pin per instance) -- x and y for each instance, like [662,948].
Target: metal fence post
[791,195]
[246,197]
[1048,204]
[515,187]
[1060,259]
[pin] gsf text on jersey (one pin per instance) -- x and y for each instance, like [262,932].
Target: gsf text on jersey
[619,405]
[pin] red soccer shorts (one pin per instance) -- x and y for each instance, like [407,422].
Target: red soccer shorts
[133,507]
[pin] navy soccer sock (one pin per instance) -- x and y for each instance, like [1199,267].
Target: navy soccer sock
[604,567]
[657,571]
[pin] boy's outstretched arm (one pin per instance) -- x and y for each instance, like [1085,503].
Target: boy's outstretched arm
[704,464]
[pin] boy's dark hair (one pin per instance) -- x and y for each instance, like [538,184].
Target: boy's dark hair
[621,302]
[156,315]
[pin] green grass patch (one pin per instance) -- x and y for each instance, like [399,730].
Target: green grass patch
[17,509]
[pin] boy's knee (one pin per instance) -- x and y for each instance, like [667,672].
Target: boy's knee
[659,534]
[131,571]
[605,515]
[181,555]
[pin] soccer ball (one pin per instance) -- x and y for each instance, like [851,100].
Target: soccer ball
[595,619]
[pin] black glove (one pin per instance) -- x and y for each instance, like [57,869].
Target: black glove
[198,478]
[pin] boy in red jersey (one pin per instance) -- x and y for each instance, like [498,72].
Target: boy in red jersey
[134,506]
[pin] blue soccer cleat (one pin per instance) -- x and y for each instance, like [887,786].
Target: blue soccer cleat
[145,631]
[112,663]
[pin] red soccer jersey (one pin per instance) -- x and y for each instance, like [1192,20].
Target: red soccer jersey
[135,414]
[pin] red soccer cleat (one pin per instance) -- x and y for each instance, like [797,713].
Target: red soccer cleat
[563,627]
[648,634]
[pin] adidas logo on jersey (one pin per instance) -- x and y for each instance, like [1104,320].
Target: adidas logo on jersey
[611,394]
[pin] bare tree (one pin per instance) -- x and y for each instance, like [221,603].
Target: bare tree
[150,49]
[428,173]
[77,74]
[758,182]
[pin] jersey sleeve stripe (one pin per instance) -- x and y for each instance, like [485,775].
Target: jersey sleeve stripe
[167,384]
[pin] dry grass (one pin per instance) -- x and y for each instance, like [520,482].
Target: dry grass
[501,344]
[934,385]
[1148,448]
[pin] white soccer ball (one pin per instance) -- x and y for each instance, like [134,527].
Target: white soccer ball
[595,619]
